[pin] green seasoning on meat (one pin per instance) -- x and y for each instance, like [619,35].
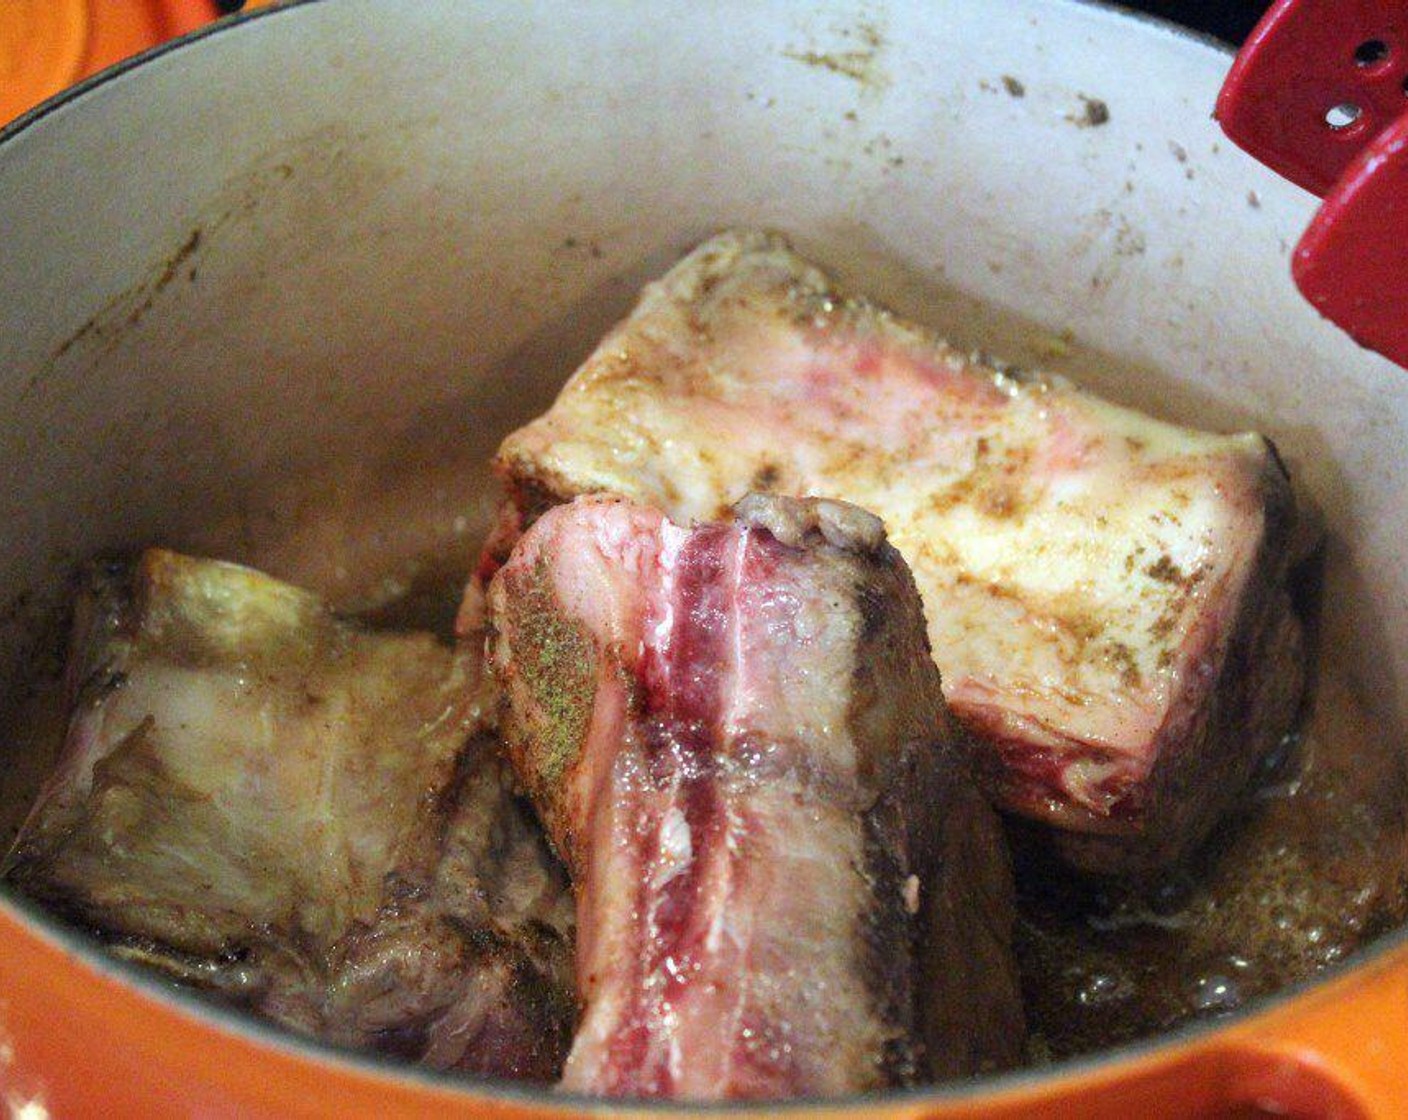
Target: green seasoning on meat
[558,665]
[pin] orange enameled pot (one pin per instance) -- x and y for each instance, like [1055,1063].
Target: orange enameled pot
[276,293]
[46,45]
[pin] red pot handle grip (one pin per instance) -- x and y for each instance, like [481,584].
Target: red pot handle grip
[1319,93]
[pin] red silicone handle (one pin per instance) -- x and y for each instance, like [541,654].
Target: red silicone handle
[1352,263]
[1320,95]
[1315,83]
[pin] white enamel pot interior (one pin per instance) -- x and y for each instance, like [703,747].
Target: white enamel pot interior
[276,294]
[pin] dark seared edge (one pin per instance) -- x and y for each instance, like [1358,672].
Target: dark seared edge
[961,1004]
[1250,707]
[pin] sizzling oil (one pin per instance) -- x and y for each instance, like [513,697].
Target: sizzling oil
[1312,867]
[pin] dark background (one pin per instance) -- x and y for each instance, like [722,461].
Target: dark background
[1227,19]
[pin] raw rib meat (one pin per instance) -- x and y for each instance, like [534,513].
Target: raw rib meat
[786,883]
[1105,593]
[271,803]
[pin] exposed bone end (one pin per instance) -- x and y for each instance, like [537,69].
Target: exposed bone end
[791,520]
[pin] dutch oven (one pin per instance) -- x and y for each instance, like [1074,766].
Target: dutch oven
[275,293]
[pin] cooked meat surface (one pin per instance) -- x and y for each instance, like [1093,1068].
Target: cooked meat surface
[786,883]
[1105,593]
[277,805]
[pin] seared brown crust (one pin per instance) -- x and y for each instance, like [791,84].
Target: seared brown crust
[962,1004]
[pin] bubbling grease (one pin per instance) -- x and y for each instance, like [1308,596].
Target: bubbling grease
[1314,865]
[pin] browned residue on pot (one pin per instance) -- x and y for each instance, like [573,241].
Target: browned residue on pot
[1093,112]
[312,157]
[858,60]
[113,321]
[127,309]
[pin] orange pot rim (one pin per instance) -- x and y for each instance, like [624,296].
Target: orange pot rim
[73,40]
[1239,1032]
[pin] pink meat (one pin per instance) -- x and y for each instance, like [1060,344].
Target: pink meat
[751,778]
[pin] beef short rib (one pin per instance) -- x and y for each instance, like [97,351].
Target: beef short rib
[786,883]
[1105,593]
[273,804]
